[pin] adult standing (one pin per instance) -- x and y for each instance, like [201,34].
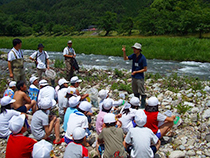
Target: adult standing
[41,59]
[69,55]
[16,61]
[139,66]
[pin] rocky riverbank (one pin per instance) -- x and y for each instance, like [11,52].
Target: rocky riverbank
[187,98]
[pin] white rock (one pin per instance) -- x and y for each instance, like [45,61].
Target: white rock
[198,94]
[177,154]
[206,113]
[195,110]
[207,89]
[189,104]
[190,95]
[208,103]
[191,153]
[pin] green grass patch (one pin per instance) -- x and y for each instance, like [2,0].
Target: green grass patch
[166,48]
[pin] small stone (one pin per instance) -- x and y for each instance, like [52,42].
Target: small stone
[177,154]
[191,153]
[182,147]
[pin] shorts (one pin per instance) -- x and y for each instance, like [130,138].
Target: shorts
[158,134]
[22,109]
[154,149]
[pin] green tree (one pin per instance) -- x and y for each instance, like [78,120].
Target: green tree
[108,22]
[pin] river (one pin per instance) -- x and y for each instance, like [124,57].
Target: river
[188,68]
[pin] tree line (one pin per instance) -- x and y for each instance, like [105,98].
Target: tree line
[63,17]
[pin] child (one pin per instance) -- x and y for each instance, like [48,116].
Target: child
[62,100]
[128,114]
[75,82]
[19,146]
[42,125]
[5,115]
[76,149]
[33,90]
[112,138]
[77,119]
[73,103]
[102,94]
[43,149]
[10,90]
[23,102]
[141,137]
[154,116]
[106,108]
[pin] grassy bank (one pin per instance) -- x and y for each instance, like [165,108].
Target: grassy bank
[167,48]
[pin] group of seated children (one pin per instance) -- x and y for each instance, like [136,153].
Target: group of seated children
[133,131]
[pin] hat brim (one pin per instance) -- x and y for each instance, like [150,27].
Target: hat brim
[136,47]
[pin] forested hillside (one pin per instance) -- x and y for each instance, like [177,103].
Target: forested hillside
[26,17]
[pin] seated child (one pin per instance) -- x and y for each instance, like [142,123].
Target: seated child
[141,137]
[23,102]
[154,116]
[76,148]
[42,125]
[10,90]
[18,145]
[73,103]
[77,119]
[106,108]
[5,115]
[43,149]
[102,94]
[33,90]
[112,137]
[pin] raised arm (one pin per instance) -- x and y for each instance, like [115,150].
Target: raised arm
[124,53]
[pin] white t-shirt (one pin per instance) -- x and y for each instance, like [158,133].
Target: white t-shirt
[62,100]
[41,59]
[11,56]
[67,50]
[141,138]
[77,119]
[127,120]
[4,121]
[160,118]
[47,91]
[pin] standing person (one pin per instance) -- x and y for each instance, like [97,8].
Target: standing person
[10,90]
[41,59]
[139,66]
[16,61]
[69,55]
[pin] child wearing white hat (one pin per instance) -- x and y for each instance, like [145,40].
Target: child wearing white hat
[33,90]
[141,137]
[43,149]
[74,102]
[5,115]
[10,90]
[19,145]
[78,119]
[154,117]
[42,125]
[76,148]
[112,137]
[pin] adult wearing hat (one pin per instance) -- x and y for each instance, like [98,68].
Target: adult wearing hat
[139,66]
[69,55]
[16,61]
[41,60]
[10,90]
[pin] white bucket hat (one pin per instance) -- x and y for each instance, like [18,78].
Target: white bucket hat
[137,46]
[135,101]
[46,103]
[16,123]
[7,100]
[153,101]
[127,105]
[75,79]
[78,133]
[12,84]
[74,101]
[42,149]
[107,103]
[140,118]
[103,94]
[62,81]
[32,79]
[85,106]
[43,83]
[109,118]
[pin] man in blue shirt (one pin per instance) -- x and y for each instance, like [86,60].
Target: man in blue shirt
[139,66]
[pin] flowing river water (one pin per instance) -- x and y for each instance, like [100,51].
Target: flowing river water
[163,67]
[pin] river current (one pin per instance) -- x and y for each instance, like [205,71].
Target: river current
[164,67]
